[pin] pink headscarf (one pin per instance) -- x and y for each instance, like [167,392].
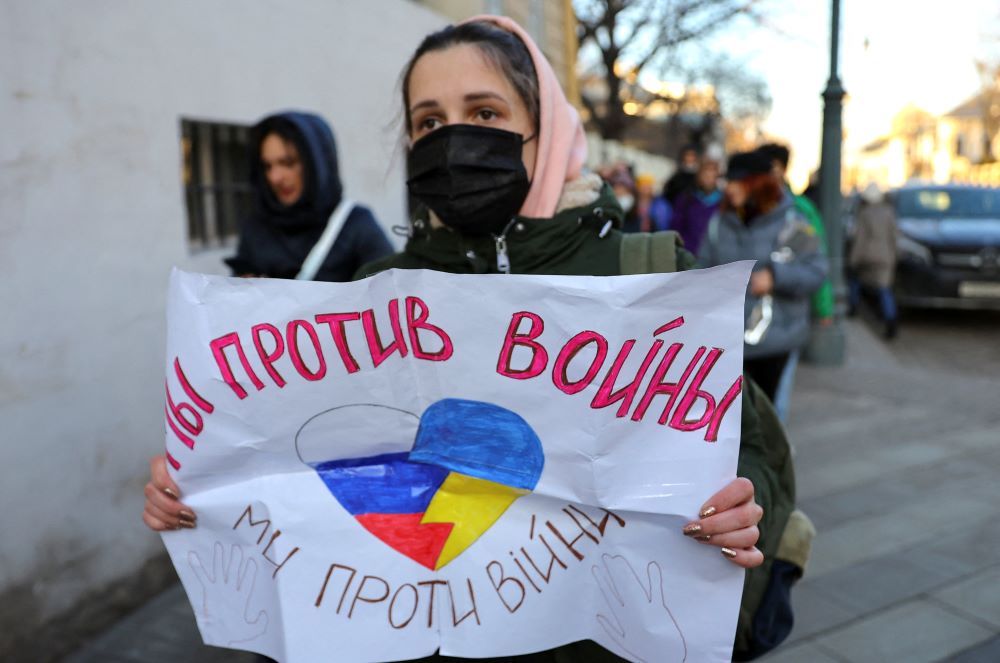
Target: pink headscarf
[562,146]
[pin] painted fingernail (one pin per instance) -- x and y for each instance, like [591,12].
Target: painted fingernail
[707,511]
[728,552]
[171,493]
[188,515]
[186,523]
[692,529]
[704,537]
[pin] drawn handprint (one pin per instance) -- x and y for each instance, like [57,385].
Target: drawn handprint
[227,592]
[635,608]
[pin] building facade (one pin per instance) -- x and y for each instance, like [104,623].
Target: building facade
[93,215]
[955,147]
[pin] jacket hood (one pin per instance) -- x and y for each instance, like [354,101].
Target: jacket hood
[317,148]
[562,145]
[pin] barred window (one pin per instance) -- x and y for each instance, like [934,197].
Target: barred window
[217,189]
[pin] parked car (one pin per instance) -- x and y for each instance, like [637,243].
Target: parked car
[948,246]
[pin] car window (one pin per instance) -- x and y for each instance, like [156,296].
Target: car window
[957,203]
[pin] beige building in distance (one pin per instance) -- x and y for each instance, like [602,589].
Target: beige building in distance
[967,153]
[954,147]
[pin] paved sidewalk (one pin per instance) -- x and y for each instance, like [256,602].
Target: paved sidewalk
[897,466]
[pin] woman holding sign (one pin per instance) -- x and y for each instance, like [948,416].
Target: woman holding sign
[495,158]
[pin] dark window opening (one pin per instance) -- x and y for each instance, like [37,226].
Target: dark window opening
[216,176]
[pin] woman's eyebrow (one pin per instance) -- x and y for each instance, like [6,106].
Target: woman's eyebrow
[430,103]
[479,96]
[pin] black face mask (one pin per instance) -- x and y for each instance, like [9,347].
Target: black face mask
[472,177]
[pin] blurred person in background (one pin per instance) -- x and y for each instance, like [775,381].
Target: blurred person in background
[695,208]
[821,304]
[683,178]
[653,212]
[758,221]
[812,190]
[872,259]
[619,176]
[822,300]
[302,226]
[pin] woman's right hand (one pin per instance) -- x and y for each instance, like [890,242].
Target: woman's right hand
[164,510]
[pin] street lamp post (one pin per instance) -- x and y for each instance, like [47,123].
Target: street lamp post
[828,345]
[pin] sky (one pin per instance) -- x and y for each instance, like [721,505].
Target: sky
[919,52]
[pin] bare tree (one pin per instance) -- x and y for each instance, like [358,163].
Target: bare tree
[633,36]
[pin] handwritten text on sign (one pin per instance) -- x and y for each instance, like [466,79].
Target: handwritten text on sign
[482,465]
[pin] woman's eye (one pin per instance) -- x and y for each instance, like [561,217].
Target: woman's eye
[429,124]
[486,114]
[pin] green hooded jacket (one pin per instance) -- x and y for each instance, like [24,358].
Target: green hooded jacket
[822,299]
[582,241]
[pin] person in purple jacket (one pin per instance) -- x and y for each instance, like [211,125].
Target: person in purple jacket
[693,209]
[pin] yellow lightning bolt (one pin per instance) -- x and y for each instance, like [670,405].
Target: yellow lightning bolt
[472,505]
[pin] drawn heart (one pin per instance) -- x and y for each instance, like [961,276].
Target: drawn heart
[434,483]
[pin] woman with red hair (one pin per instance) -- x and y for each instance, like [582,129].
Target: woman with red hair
[758,221]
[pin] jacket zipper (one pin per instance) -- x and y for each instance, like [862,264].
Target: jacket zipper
[503,260]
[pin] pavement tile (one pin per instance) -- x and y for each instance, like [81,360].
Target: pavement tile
[915,632]
[861,501]
[805,652]
[972,473]
[895,530]
[986,652]
[92,655]
[978,596]
[816,477]
[97,656]
[973,548]
[868,586]
[815,612]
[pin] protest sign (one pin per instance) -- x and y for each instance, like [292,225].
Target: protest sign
[485,465]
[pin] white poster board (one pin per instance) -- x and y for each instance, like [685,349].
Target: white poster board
[485,465]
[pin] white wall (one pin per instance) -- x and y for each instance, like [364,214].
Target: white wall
[92,217]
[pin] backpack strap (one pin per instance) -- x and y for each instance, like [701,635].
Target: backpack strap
[320,250]
[649,253]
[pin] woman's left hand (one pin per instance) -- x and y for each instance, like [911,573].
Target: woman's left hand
[729,520]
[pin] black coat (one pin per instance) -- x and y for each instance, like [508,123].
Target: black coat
[276,238]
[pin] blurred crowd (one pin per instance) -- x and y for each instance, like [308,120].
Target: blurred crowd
[743,208]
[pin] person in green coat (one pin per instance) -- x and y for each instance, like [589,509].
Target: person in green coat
[537,212]
[495,162]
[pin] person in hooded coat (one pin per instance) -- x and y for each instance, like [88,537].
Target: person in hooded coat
[297,187]
[481,93]
[541,213]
